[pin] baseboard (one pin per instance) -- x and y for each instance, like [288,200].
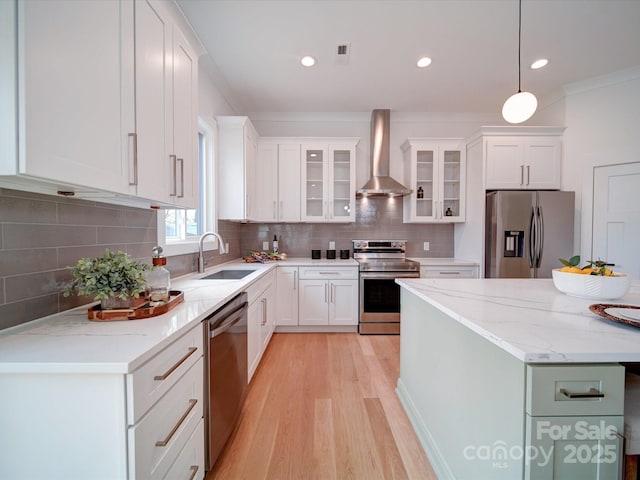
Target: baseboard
[438,463]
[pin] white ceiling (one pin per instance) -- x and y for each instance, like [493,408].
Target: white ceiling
[256,46]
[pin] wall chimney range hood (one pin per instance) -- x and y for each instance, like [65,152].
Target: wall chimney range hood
[380,183]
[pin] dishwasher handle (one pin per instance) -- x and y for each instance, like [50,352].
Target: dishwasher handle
[230,320]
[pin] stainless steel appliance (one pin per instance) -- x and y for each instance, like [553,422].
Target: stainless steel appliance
[526,232]
[380,263]
[226,379]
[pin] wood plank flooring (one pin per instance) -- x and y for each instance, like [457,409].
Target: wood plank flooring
[323,406]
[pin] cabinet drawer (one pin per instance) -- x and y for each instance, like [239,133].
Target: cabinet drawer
[190,463]
[574,390]
[448,272]
[259,286]
[152,380]
[158,439]
[316,273]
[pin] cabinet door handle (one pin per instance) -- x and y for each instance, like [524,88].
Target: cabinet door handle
[194,470]
[174,167]
[333,293]
[165,442]
[295,279]
[521,174]
[178,363]
[592,393]
[275,214]
[133,137]
[325,292]
[181,160]
[528,174]
[264,312]
[281,210]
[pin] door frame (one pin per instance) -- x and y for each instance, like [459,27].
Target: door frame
[586,237]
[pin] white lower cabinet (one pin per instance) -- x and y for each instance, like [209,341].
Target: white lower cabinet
[143,425]
[287,296]
[328,296]
[448,271]
[261,320]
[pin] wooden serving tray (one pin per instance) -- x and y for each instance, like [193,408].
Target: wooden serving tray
[145,310]
[600,309]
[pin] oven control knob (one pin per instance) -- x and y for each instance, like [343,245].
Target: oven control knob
[359,244]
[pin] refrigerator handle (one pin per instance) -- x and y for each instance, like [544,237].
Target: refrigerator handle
[532,237]
[540,237]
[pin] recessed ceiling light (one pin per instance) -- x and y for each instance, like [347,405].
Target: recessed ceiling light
[423,62]
[539,63]
[308,61]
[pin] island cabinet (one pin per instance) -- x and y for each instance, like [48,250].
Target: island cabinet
[106,96]
[328,180]
[481,412]
[435,170]
[238,155]
[277,189]
[328,296]
[147,424]
[261,321]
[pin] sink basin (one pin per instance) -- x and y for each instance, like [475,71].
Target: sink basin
[229,274]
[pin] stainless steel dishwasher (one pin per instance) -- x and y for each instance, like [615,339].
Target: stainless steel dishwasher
[226,373]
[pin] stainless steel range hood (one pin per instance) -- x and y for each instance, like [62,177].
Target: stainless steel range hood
[380,183]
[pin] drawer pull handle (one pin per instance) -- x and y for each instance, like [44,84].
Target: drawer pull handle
[180,362]
[592,393]
[449,273]
[164,443]
[194,469]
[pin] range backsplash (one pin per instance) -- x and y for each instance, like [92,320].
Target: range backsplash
[376,218]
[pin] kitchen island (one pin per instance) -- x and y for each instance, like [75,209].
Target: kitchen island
[490,370]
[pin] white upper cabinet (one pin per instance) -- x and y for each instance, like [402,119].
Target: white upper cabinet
[165,166]
[75,89]
[106,94]
[435,171]
[238,154]
[278,191]
[523,162]
[328,180]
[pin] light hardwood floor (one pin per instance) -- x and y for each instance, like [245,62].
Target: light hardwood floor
[323,406]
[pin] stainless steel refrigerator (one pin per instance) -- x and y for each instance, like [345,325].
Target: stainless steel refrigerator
[526,232]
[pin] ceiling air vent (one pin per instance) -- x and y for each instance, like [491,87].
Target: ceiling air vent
[343,50]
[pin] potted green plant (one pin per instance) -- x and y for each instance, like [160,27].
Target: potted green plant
[114,279]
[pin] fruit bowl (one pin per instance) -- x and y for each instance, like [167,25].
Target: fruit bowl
[595,287]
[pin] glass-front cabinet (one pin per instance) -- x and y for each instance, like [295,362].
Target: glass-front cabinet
[435,171]
[329,181]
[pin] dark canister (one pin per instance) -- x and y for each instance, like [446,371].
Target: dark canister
[315,254]
[331,254]
[344,254]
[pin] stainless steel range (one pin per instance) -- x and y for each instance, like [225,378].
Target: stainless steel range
[381,262]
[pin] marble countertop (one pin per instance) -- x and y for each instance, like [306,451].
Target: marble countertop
[69,343]
[532,320]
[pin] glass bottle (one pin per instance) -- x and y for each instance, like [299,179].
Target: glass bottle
[158,279]
[420,192]
[448,213]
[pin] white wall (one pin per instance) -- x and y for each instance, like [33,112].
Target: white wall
[603,125]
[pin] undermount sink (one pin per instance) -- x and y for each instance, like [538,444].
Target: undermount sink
[229,274]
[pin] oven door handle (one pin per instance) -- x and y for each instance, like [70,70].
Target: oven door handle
[389,275]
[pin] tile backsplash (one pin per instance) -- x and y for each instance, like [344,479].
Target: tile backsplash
[41,235]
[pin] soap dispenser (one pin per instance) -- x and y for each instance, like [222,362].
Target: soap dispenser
[158,279]
[275,244]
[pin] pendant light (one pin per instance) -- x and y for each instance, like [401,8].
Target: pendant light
[520,106]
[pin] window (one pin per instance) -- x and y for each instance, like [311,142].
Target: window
[180,229]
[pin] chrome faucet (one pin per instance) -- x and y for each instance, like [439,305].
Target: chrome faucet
[221,248]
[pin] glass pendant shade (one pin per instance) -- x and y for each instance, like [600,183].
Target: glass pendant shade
[519,107]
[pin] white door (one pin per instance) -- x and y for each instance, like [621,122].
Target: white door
[616,216]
